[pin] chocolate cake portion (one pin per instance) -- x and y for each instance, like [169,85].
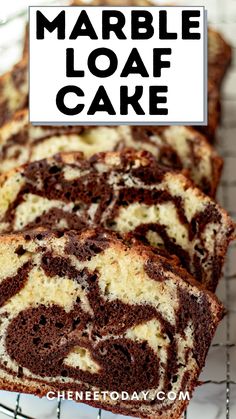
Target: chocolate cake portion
[13,90]
[125,191]
[177,147]
[93,313]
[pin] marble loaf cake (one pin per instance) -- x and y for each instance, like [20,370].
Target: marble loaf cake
[178,147]
[124,191]
[88,312]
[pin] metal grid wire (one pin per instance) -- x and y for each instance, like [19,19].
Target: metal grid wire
[227,149]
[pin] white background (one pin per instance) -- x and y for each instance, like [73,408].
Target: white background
[185,77]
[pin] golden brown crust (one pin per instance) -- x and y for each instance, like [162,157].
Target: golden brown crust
[26,43]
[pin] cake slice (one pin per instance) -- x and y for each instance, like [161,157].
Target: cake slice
[13,90]
[177,147]
[214,112]
[126,191]
[89,312]
[219,56]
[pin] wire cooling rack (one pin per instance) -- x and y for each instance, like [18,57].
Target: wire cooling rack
[221,374]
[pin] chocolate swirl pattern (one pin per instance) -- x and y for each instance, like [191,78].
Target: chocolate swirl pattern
[92,312]
[179,148]
[124,191]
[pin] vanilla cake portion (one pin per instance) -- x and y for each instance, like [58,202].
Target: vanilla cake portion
[125,191]
[178,147]
[13,90]
[89,312]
